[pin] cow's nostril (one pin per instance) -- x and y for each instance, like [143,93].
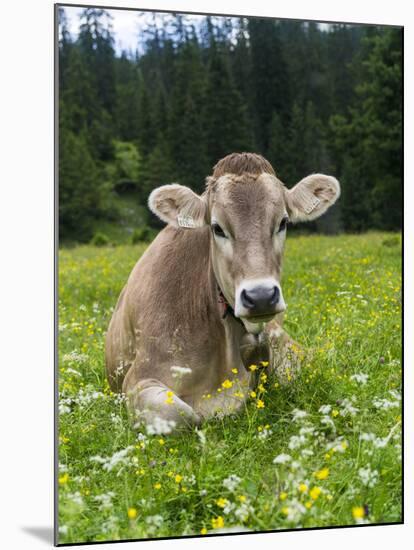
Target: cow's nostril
[276,295]
[247,301]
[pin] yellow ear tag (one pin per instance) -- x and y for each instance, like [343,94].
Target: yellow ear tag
[311,205]
[185,221]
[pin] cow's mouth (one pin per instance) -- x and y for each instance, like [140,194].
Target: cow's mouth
[259,318]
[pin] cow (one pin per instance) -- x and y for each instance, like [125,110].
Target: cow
[203,306]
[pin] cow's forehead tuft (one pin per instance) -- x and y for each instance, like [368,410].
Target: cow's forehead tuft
[229,184]
[246,194]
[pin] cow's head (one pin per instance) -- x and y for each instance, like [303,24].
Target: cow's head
[247,208]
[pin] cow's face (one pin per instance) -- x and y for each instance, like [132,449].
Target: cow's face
[248,216]
[248,219]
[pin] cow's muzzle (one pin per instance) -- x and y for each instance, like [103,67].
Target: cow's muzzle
[259,301]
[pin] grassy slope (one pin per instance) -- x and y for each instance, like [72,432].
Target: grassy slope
[344,302]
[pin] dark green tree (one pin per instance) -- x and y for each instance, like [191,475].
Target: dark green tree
[225,114]
[269,76]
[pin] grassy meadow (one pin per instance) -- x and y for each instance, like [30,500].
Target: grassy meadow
[323,450]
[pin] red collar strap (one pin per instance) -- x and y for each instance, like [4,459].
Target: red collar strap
[225,307]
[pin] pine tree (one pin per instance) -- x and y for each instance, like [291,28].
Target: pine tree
[80,195]
[226,122]
[186,132]
[270,78]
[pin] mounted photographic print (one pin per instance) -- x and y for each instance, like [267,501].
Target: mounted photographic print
[229,272]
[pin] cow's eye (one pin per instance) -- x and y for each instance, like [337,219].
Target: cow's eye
[217,230]
[283,224]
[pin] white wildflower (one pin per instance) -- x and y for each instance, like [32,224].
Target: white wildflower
[385,404]
[231,482]
[297,441]
[243,511]
[110,524]
[154,521]
[282,459]
[63,529]
[76,498]
[325,409]
[368,477]
[360,377]
[264,434]
[120,458]
[228,508]
[307,452]
[160,426]
[74,357]
[105,500]
[327,421]
[338,446]
[307,430]
[298,414]
[64,406]
[295,510]
[348,408]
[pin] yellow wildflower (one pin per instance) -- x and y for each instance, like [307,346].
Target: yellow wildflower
[178,478]
[264,363]
[322,474]
[315,492]
[263,377]
[217,522]
[303,488]
[308,504]
[221,502]
[234,371]
[157,486]
[358,512]
[132,513]
[64,479]
[161,441]
[283,495]
[260,404]
[253,368]
[285,510]
[227,384]
[203,531]
[253,394]
[242,498]
[335,412]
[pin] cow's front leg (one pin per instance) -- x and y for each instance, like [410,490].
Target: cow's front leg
[156,405]
[285,354]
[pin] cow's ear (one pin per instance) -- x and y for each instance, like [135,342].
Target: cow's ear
[178,206]
[311,197]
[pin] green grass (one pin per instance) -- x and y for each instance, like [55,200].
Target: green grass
[344,303]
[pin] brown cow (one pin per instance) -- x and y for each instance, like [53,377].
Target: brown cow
[205,299]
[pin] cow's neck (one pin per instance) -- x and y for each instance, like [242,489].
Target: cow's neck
[252,348]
